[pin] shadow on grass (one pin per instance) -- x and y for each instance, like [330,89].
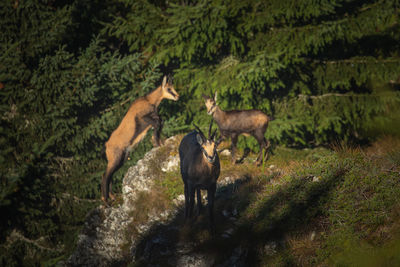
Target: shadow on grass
[244,224]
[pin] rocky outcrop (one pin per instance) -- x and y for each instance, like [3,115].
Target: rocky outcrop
[104,239]
[104,234]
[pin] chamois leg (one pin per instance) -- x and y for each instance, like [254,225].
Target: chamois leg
[157,133]
[110,192]
[191,191]
[211,196]
[186,201]
[199,205]
[114,158]
[267,145]
[262,142]
[234,139]
[155,121]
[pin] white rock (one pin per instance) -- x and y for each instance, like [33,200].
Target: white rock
[312,236]
[315,179]
[171,164]
[270,248]
[225,152]
[104,230]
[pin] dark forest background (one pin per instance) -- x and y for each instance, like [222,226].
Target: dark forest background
[327,71]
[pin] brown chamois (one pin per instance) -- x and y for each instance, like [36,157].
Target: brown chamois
[141,116]
[200,169]
[235,122]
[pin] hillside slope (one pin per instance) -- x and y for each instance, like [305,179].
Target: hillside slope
[308,207]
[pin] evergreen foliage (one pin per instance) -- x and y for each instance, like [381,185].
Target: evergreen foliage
[326,70]
[287,58]
[59,104]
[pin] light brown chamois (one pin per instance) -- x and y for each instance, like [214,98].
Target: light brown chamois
[200,169]
[235,122]
[141,116]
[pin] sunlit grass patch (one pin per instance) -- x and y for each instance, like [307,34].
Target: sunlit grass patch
[170,184]
[305,208]
[346,195]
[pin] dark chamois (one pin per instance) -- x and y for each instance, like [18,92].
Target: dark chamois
[141,116]
[200,169]
[235,122]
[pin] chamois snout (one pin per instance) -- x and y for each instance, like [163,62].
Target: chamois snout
[172,94]
[169,90]
[210,104]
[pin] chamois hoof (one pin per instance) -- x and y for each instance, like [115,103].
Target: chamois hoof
[158,144]
[105,202]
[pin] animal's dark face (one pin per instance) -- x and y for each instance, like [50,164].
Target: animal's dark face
[169,90]
[208,145]
[210,104]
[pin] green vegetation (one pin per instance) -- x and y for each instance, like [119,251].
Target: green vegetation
[316,207]
[327,71]
[323,70]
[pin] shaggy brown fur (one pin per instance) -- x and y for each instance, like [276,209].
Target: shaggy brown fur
[200,169]
[141,116]
[235,122]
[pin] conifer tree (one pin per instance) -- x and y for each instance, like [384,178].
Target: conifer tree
[63,90]
[322,69]
[326,70]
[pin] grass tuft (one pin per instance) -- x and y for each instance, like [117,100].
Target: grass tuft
[310,207]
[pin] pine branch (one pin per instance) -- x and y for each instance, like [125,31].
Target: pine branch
[15,236]
[323,25]
[324,95]
[311,38]
[363,61]
[341,95]
[77,199]
[114,107]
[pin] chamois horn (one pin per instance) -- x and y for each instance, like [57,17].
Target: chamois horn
[209,130]
[200,131]
[213,135]
[170,79]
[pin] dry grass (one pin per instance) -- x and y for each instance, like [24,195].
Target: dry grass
[281,203]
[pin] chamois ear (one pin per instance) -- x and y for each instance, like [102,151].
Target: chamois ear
[218,141]
[215,97]
[199,139]
[170,79]
[205,97]
[164,82]
[213,135]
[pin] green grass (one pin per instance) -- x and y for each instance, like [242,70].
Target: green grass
[352,209]
[319,207]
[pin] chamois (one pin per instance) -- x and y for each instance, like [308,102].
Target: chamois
[141,116]
[200,169]
[235,122]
